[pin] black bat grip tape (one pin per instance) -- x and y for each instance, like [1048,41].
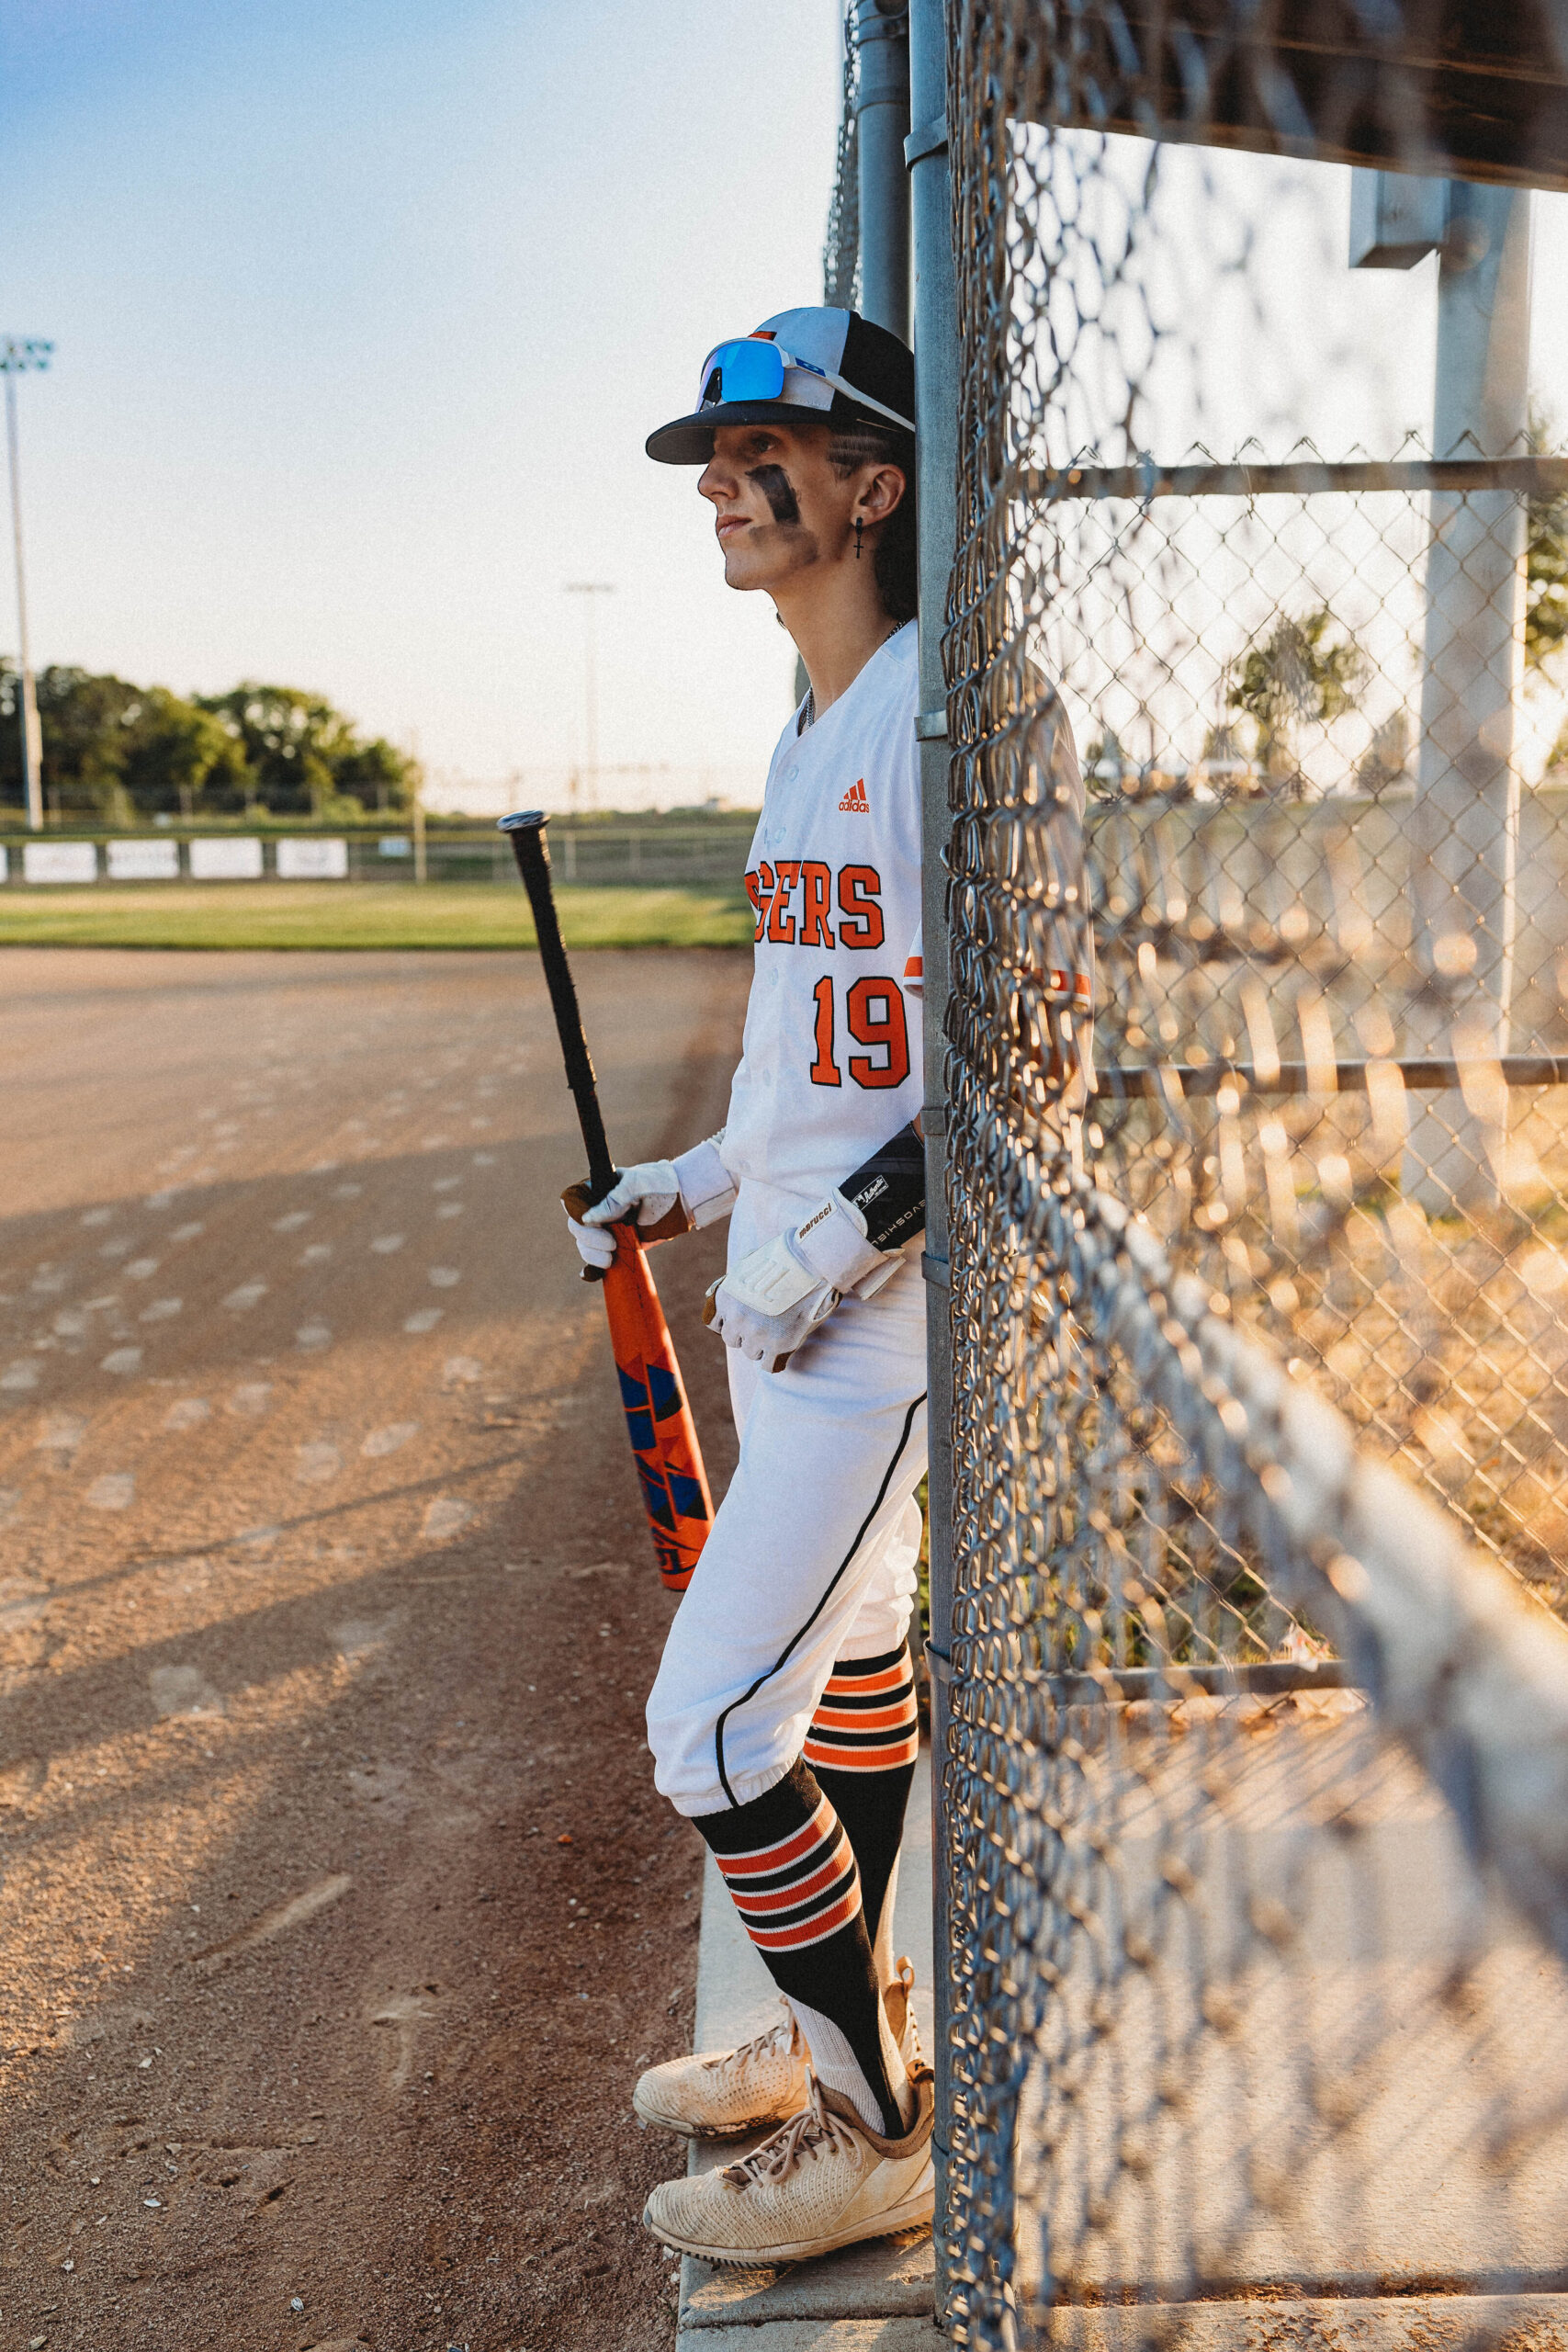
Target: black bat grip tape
[526,832]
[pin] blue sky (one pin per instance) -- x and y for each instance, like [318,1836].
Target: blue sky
[363,312]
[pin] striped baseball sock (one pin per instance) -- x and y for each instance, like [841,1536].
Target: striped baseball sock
[791,1870]
[861,1746]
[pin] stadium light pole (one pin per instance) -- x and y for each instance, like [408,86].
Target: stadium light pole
[588,590]
[19,356]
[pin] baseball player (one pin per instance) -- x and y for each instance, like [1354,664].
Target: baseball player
[783,1721]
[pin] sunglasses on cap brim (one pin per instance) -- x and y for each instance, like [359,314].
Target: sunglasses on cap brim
[752,370]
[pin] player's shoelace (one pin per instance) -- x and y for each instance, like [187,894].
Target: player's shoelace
[779,2041]
[903,1975]
[814,2127]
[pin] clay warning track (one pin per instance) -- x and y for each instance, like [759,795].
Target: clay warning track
[338,1910]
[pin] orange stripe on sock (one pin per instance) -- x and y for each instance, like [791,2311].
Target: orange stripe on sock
[865,1760]
[761,1859]
[844,1686]
[809,1931]
[864,1719]
[790,1898]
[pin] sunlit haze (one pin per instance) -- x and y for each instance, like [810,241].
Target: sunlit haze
[363,314]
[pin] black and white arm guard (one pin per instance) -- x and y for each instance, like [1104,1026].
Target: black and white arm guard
[771,1303]
[890,1192]
[854,1241]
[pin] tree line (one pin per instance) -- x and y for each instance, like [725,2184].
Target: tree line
[113,753]
[1309,669]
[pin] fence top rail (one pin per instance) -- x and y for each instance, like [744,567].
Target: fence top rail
[1300,478]
[1428,1074]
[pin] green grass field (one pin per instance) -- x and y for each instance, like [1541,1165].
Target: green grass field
[363,914]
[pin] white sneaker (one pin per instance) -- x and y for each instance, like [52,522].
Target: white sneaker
[726,2093]
[723,2095]
[823,2181]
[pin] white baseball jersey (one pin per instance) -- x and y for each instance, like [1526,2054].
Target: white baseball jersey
[812,1553]
[830,1062]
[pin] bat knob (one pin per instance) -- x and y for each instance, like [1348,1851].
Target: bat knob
[523,820]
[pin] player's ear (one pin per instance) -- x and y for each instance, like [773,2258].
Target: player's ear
[882,496]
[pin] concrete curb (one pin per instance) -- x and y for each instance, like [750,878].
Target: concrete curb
[1348,2324]
[828,2336]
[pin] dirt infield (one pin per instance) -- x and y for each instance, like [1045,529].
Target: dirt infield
[338,1908]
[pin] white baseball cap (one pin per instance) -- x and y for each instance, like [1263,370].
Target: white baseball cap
[815,364]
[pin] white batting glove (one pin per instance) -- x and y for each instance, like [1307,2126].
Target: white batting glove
[647,1196]
[593,1247]
[640,1195]
[771,1303]
[660,1197]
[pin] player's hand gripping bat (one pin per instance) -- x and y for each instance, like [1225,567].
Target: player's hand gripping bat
[658,1421]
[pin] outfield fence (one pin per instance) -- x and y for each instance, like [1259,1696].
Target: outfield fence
[653,856]
[1248,1587]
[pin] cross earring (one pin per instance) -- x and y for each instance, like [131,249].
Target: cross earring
[860,526]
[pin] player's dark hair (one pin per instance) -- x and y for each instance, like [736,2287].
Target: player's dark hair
[849,446]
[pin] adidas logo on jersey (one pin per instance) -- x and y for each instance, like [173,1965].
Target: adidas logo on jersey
[855,801]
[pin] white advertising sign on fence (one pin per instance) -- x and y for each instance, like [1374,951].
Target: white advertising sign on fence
[312,861]
[144,862]
[60,862]
[226,861]
[5,863]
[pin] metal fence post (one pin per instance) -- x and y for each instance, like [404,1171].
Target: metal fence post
[936,409]
[882,110]
[1464,844]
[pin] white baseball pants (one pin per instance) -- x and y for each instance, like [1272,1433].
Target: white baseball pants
[812,1555]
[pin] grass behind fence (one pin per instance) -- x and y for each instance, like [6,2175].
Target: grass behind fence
[363,914]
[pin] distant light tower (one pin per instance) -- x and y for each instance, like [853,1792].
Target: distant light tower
[589,589]
[18,354]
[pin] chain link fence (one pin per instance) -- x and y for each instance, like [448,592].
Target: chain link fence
[1256,1745]
[840,250]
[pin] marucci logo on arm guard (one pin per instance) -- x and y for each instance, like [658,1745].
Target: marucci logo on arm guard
[890,1189]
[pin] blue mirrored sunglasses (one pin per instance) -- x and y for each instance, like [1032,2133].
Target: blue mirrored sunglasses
[752,370]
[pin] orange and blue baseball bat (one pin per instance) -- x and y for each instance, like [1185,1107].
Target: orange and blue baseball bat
[659,1420]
